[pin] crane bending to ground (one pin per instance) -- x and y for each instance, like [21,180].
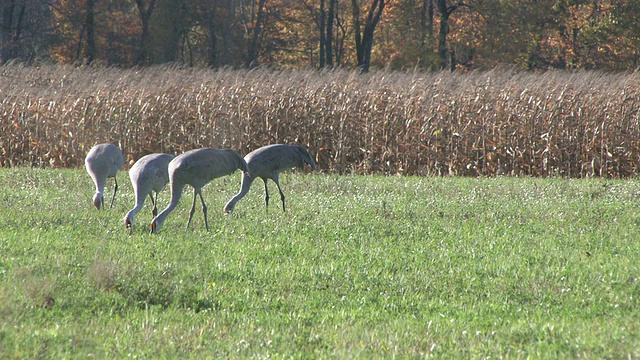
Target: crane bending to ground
[102,162]
[197,168]
[266,163]
[150,173]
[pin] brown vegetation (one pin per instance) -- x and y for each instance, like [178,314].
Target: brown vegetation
[499,122]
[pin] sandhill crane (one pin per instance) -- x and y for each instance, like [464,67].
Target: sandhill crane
[150,173]
[197,168]
[266,163]
[102,162]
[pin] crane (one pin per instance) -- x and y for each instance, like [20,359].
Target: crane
[102,162]
[197,168]
[150,173]
[266,163]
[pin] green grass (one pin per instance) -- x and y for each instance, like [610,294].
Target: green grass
[358,267]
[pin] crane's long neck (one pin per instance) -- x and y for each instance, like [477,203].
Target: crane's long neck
[176,194]
[99,182]
[244,189]
[136,209]
[98,197]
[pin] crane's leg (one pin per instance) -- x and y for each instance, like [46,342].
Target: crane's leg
[154,202]
[204,210]
[281,193]
[115,190]
[266,194]
[193,206]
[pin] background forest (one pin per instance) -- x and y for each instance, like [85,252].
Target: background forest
[396,34]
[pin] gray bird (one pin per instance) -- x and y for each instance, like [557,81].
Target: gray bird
[150,173]
[197,168]
[102,162]
[266,163]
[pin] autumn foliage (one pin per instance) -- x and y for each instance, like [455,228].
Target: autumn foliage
[395,34]
[499,122]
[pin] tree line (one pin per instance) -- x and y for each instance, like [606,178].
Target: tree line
[396,34]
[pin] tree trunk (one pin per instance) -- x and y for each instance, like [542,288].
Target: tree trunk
[6,52]
[339,37]
[356,26]
[90,28]
[15,39]
[322,25]
[364,41]
[145,15]
[329,37]
[324,21]
[226,36]
[426,21]
[253,48]
[445,13]
[430,12]
[213,47]
[10,34]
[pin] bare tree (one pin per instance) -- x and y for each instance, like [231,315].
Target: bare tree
[90,32]
[322,24]
[324,19]
[12,21]
[213,58]
[329,29]
[426,21]
[445,11]
[145,15]
[364,40]
[253,30]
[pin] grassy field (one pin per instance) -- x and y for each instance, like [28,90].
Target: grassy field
[358,267]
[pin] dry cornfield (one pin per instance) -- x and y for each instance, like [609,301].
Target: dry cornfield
[499,122]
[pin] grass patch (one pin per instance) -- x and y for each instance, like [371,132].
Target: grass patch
[358,267]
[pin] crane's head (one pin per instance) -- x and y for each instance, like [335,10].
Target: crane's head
[128,223]
[98,201]
[309,160]
[228,207]
[156,224]
[306,158]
